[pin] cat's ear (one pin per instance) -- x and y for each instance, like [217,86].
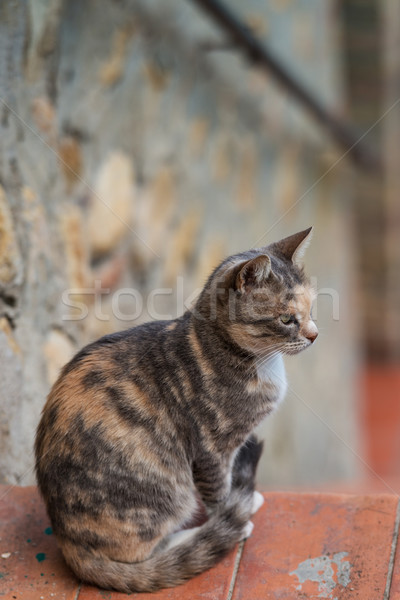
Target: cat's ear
[294,246]
[253,273]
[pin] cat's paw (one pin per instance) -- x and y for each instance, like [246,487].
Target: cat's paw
[258,501]
[247,530]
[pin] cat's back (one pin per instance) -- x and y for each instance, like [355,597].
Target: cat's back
[100,375]
[103,423]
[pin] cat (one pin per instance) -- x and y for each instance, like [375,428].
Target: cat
[145,426]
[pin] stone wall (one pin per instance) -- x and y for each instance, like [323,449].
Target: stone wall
[137,150]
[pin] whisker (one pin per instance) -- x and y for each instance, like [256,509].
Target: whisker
[268,350]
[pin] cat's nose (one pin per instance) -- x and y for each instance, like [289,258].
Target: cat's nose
[311,333]
[312,336]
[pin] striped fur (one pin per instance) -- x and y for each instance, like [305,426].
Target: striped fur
[146,428]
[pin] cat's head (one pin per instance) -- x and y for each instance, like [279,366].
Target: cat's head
[263,299]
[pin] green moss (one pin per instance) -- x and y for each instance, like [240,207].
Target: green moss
[40,557]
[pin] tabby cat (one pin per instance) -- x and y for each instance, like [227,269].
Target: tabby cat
[146,426]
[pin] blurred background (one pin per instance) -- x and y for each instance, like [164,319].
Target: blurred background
[140,143]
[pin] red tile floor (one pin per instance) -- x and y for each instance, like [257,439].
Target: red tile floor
[304,546]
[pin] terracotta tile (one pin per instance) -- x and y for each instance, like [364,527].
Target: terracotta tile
[303,546]
[318,546]
[395,584]
[35,569]
[211,585]
[368,484]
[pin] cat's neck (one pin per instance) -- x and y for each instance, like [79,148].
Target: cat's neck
[233,363]
[271,374]
[219,346]
[271,364]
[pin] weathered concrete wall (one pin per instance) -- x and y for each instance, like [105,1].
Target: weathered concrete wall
[136,153]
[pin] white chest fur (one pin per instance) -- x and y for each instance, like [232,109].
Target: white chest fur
[271,373]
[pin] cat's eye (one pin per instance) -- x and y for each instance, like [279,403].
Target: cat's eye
[286,319]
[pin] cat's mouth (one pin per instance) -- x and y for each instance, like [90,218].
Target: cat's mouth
[296,347]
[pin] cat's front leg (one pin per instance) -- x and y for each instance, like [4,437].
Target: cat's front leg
[212,476]
[244,469]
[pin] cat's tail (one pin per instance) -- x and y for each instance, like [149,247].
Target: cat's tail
[189,552]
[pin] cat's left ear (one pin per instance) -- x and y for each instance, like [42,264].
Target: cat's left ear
[294,246]
[253,273]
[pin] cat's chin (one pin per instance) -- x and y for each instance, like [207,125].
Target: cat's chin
[295,349]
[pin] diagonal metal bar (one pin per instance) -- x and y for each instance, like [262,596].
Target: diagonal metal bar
[344,134]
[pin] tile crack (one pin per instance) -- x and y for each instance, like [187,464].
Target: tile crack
[235,570]
[386,595]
